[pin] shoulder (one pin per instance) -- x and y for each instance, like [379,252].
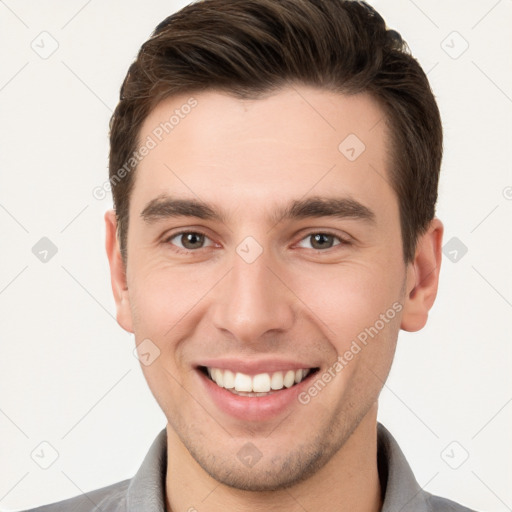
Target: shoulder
[144,491]
[439,504]
[111,498]
[401,489]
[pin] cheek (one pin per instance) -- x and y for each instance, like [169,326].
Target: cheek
[161,303]
[350,298]
[359,311]
[167,305]
[161,297]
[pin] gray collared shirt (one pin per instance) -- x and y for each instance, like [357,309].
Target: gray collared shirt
[145,492]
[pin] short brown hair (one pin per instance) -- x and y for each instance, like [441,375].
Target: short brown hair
[250,47]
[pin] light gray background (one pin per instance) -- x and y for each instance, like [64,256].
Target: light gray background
[68,375]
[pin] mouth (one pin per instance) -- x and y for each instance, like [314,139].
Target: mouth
[259,385]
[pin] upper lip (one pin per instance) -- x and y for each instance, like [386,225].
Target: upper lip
[255,367]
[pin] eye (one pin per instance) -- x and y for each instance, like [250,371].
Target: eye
[188,240]
[323,241]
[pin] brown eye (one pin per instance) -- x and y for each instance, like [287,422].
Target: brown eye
[188,240]
[323,241]
[192,240]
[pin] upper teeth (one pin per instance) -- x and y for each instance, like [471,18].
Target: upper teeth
[260,383]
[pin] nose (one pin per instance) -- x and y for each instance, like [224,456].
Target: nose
[254,300]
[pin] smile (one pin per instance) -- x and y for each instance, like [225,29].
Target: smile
[262,384]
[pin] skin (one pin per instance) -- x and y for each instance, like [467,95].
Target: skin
[295,301]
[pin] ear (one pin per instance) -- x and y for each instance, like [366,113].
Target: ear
[423,278]
[117,273]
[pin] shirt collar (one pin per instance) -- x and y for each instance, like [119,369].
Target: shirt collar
[401,492]
[146,492]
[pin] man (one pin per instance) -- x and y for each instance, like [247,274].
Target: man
[274,168]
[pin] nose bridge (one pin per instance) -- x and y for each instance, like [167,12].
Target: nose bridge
[252,300]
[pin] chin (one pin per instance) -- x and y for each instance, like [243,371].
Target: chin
[271,472]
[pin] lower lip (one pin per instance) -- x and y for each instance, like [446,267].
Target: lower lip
[257,408]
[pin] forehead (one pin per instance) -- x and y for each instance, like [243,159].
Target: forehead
[241,154]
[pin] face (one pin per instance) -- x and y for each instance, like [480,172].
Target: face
[265,253]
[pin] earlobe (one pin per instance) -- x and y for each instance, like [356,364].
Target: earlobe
[117,272]
[423,278]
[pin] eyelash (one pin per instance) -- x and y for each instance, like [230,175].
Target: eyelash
[343,241]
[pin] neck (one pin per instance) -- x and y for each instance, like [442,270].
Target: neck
[348,482]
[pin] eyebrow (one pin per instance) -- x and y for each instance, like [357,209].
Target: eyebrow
[164,207]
